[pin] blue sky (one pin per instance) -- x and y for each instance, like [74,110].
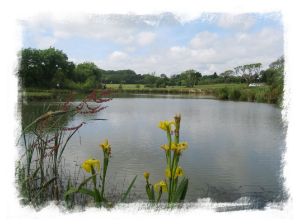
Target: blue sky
[162,43]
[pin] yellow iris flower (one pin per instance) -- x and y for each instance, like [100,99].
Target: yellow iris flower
[105,146]
[165,125]
[175,147]
[181,146]
[161,184]
[179,172]
[146,175]
[165,147]
[88,164]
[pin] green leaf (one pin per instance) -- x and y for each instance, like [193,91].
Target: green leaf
[72,190]
[87,192]
[150,192]
[85,181]
[44,186]
[128,190]
[181,191]
[97,197]
[182,197]
[32,176]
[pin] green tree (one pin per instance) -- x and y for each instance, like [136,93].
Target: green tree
[88,75]
[38,68]
[190,77]
[249,72]
[226,75]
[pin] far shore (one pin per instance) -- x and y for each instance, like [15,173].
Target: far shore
[222,91]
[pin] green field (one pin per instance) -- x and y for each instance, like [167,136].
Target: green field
[223,91]
[205,86]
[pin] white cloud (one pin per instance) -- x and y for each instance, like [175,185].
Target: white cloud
[145,38]
[121,29]
[207,53]
[203,39]
[117,56]
[141,47]
[239,22]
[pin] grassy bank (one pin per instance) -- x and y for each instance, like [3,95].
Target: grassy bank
[223,91]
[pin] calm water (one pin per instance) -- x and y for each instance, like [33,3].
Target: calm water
[235,148]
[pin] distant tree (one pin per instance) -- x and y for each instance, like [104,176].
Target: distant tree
[150,80]
[249,72]
[278,64]
[163,76]
[41,68]
[88,74]
[124,76]
[227,73]
[190,77]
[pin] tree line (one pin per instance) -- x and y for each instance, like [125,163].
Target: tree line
[51,68]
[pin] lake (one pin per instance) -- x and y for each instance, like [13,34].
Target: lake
[235,148]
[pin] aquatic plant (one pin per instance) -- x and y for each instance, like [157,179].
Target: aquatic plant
[93,166]
[175,184]
[39,171]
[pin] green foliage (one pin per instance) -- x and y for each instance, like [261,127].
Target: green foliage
[190,78]
[234,94]
[125,195]
[50,68]
[88,74]
[43,68]
[175,184]
[223,94]
[44,139]
[249,72]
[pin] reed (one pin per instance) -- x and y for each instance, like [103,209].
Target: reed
[39,170]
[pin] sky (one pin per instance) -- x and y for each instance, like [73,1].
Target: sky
[160,43]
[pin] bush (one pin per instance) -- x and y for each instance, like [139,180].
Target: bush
[234,94]
[223,94]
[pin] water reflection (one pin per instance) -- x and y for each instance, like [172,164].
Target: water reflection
[235,147]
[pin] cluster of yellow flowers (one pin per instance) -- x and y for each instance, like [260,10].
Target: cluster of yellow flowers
[178,172]
[176,147]
[98,178]
[173,150]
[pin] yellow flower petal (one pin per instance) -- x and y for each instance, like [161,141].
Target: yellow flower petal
[168,173]
[105,146]
[165,125]
[86,167]
[162,184]
[165,147]
[178,148]
[88,164]
[179,172]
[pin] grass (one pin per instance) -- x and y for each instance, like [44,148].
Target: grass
[223,91]
[126,86]
[41,176]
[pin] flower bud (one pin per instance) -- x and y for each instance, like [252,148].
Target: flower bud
[146,175]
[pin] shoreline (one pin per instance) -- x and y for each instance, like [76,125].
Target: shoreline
[231,92]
